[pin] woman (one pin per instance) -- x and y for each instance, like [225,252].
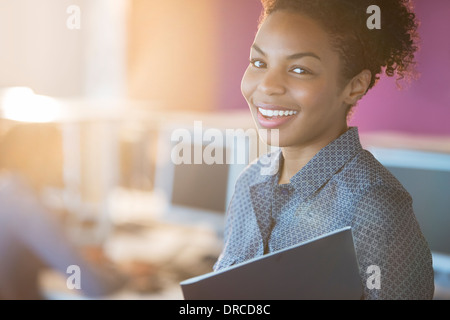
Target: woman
[310,63]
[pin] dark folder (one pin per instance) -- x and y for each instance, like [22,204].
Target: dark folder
[323,268]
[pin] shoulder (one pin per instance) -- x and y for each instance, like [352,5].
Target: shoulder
[372,192]
[377,199]
[13,186]
[17,199]
[364,172]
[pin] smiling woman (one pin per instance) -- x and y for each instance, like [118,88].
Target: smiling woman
[310,63]
[298,72]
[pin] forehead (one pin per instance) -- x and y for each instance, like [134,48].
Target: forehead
[286,32]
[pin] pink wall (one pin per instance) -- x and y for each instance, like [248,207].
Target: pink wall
[423,107]
[238,26]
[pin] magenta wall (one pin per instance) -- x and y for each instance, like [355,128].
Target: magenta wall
[238,25]
[423,107]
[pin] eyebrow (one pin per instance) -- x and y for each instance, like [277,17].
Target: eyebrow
[292,56]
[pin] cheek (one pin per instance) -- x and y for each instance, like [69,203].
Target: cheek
[248,84]
[312,96]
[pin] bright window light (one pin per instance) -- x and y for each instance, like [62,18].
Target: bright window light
[22,104]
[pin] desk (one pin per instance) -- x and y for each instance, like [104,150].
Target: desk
[157,255]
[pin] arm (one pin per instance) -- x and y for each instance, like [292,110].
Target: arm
[388,236]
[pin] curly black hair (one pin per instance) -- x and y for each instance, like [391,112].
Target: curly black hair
[390,49]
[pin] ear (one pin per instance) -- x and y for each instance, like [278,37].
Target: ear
[357,87]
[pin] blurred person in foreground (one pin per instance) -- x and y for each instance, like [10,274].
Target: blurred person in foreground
[32,237]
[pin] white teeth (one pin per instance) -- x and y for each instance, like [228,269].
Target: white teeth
[276,113]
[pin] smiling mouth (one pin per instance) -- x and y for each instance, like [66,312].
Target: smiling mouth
[273,114]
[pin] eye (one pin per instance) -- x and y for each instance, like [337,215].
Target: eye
[257,63]
[299,70]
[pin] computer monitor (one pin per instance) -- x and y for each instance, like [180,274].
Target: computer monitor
[197,172]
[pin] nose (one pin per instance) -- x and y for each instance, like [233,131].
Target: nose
[272,83]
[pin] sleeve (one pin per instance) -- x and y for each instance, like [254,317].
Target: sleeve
[242,236]
[225,259]
[393,255]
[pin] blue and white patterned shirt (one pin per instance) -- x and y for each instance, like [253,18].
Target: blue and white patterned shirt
[342,185]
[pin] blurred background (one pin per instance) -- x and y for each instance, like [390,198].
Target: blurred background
[117,77]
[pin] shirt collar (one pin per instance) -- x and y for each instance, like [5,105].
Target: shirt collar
[326,163]
[318,170]
[307,181]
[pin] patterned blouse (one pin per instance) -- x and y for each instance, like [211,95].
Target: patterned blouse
[342,185]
